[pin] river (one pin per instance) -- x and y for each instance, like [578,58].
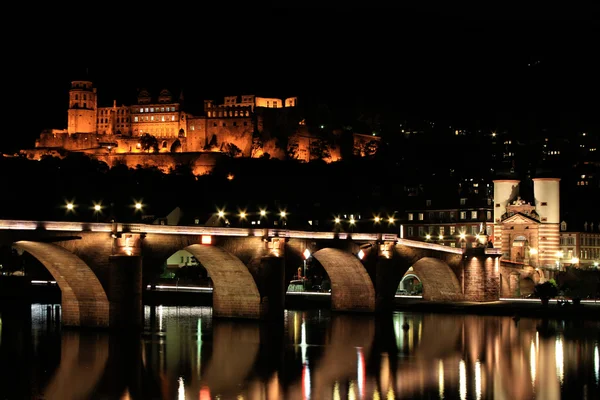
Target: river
[185,353]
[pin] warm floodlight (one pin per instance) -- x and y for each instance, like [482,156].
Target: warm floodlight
[337,220]
[70,206]
[138,206]
[306,253]
[221,214]
[242,215]
[283,214]
[377,219]
[533,251]
[462,236]
[263,213]
[428,236]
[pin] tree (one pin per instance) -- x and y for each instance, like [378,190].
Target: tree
[319,149]
[545,291]
[149,142]
[232,150]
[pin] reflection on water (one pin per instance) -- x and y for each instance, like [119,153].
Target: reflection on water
[183,353]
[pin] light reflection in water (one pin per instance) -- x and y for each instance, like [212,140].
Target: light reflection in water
[303,344]
[478,379]
[360,372]
[199,348]
[462,373]
[181,389]
[390,394]
[195,356]
[560,366]
[306,382]
[532,363]
[336,391]
[441,378]
[597,363]
[352,390]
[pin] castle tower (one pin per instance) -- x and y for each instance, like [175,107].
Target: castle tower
[505,190]
[83,104]
[546,192]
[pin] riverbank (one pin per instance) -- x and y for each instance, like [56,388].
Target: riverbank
[50,294]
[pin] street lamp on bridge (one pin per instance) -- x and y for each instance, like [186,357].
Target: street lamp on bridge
[306,255]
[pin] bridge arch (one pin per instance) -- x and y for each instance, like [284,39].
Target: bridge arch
[439,281]
[84,302]
[351,286]
[235,293]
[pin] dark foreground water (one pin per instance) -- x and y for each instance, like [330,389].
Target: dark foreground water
[186,354]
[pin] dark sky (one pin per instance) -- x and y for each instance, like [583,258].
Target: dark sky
[436,62]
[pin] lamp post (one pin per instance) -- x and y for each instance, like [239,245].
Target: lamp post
[306,255]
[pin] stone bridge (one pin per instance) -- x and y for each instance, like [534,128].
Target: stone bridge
[101,268]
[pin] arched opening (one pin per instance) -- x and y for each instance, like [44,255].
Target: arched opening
[309,276]
[83,300]
[182,270]
[410,284]
[518,249]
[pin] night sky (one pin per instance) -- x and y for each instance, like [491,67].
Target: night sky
[521,72]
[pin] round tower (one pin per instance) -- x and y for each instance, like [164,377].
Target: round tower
[83,104]
[546,192]
[505,190]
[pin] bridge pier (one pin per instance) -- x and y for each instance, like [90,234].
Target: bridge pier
[125,292]
[481,279]
[271,285]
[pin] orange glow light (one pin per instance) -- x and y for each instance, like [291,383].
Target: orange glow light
[206,239]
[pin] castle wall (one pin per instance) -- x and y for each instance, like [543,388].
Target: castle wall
[237,131]
[201,163]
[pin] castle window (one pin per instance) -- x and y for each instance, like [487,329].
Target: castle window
[421,231]
[192,127]
[214,124]
[452,230]
[474,229]
[410,216]
[76,97]
[172,108]
[463,201]
[139,110]
[152,118]
[234,123]
[463,215]
[162,109]
[410,231]
[224,124]
[421,216]
[163,118]
[544,203]
[172,118]
[245,123]
[427,202]
[151,109]
[488,215]
[84,97]
[473,214]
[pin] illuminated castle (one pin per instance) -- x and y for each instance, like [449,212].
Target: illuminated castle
[243,126]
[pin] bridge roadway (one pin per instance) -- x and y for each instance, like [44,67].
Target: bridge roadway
[101,268]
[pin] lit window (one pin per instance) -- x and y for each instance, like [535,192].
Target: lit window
[452,230]
[473,214]
[421,216]
[410,216]
[463,215]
